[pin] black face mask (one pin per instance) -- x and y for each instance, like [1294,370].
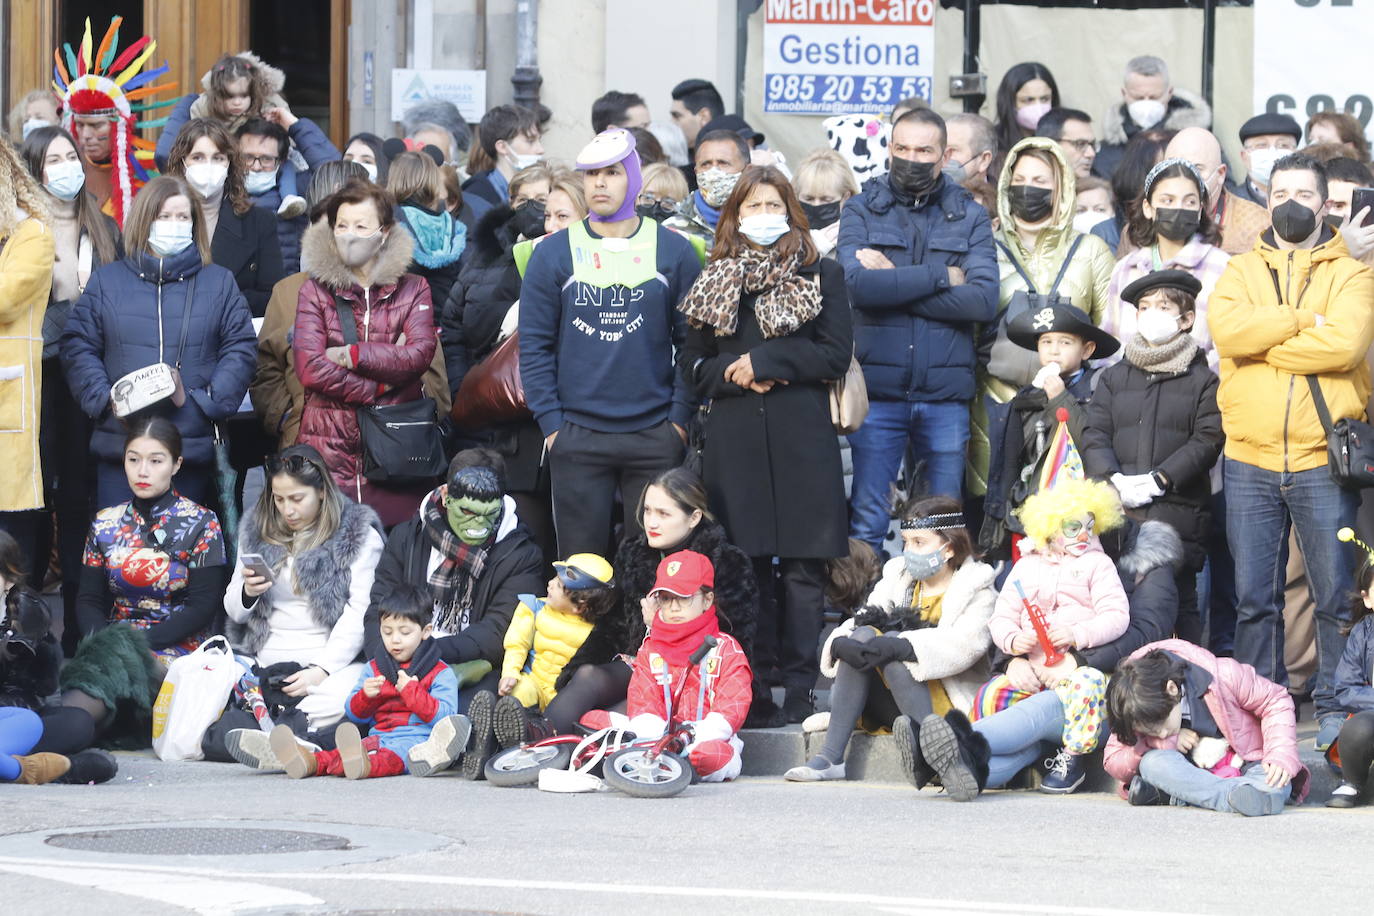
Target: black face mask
[1293,222]
[821,215]
[529,219]
[657,211]
[912,180]
[1030,203]
[1177,225]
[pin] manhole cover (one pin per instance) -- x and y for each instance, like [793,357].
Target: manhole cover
[198,841]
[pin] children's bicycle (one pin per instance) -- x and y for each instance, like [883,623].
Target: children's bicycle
[642,767]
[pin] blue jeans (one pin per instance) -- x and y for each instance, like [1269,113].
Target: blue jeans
[1260,507]
[1015,733]
[938,432]
[1175,775]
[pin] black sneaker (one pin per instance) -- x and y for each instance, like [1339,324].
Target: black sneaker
[798,705]
[510,722]
[945,753]
[907,735]
[1142,794]
[90,766]
[482,744]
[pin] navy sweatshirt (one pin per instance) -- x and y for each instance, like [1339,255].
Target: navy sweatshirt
[602,358]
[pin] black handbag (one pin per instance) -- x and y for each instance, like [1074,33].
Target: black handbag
[402,443]
[1349,445]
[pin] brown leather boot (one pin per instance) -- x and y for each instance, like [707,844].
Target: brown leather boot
[298,761]
[37,769]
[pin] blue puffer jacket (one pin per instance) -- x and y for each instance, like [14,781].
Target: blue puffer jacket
[913,332]
[1355,673]
[311,142]
[131,315]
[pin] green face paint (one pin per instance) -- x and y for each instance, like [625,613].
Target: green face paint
[473,520]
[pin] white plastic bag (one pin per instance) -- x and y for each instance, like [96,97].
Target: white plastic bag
[192,697]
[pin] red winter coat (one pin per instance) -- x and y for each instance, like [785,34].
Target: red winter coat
[386,372]
[725,703]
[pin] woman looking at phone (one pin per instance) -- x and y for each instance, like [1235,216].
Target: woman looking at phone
[307,555]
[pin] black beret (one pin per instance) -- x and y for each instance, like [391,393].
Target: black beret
[1270,123]
[1162,279]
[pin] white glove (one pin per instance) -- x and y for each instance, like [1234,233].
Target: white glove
[1045,372]
[1135,489]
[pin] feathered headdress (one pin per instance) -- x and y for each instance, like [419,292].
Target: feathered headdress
[102,82]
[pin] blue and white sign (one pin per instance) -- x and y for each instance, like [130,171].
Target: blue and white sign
[465,88]
[826,57]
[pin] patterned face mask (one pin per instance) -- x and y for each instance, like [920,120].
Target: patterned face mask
[715,186]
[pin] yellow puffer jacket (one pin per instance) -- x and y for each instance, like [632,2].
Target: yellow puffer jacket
[1321,325]
[25,281]
[1086,283]
[555,637]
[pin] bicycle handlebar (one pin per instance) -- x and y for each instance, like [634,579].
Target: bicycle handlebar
[707,645]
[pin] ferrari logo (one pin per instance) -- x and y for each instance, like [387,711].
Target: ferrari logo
[673,567]
[1044,320]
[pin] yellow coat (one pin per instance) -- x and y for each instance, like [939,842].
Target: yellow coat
[1086,283]
[25,281]
[1267,343]
[555,637]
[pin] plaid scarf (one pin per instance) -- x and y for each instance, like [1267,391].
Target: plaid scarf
[785,301]
[455,578]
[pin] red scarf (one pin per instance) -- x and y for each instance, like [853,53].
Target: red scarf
[677,641]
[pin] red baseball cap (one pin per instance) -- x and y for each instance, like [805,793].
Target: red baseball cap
[684,574]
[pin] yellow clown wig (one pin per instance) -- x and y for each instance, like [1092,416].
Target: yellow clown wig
[1043,514]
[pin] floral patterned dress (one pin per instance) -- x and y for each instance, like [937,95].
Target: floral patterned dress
[147,561]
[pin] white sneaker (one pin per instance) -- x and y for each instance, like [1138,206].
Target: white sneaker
[251,747]
[445,744]
[292,207]
[808,773]
[816,722]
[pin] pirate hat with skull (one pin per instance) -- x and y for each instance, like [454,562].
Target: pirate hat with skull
[1025,329]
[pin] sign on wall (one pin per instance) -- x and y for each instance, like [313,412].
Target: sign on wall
[465,88]
[829,57]
[1304,62]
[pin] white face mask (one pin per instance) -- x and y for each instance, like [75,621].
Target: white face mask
[371,168]
[1157,327]
[206,178]
[32,124]
[169,236]
[520,161]
[764,228]
[1262,163]
[1147,112]
[260,182]
[1085,221]
[65,179]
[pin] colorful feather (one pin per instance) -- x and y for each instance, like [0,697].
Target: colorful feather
[129,54]
[62,73]
[137,65]
[71,59]
[108,44]
[86,48]
[148,76]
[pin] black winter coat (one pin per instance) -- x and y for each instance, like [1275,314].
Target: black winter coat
[29,656]
[772,461]
[1149,562]
[248,247]
[1140,422]
[622,630]
[514,567]
[487,285]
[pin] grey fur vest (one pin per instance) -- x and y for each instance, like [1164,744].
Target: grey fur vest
[324,574]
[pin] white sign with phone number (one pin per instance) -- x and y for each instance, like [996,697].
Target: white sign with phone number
[826,57]
[1298,69]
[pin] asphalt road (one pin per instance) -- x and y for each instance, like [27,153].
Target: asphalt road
[442,845]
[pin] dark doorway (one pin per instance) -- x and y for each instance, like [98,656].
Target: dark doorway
[296,38]
[71,24]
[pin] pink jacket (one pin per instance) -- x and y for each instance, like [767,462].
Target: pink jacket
[1083,593]
[1255,716]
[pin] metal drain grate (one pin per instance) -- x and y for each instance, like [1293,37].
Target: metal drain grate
[197,841]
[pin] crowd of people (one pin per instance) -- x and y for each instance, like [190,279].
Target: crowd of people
[462,448]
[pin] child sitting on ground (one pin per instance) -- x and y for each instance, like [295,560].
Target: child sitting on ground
[1021,431]
[1075,585]
[543,635]
[1154,428]
[1352,751]
[402,695]
[716,703]
[1172,695]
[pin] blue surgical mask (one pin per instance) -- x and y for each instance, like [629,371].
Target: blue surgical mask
[922,566]
[764,228]
[256,183]
[65,179]
[32,124]
[169,236]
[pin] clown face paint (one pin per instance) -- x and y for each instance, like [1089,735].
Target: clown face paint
[1075,535]
[473,520]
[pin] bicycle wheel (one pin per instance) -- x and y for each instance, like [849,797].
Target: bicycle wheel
[520,766]
[634,773]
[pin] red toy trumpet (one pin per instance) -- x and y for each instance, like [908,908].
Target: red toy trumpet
[1042,632]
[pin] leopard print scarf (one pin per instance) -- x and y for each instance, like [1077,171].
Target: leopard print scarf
[785,302]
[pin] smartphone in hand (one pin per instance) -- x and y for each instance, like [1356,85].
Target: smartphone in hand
[1360,199]
[254,563]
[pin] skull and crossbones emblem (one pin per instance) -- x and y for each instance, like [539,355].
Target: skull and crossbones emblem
[1044,320]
